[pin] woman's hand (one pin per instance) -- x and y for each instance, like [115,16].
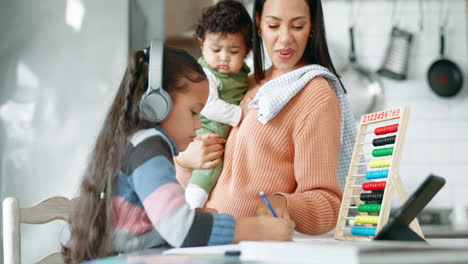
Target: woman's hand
[278,202]
[264,228]
[203,153]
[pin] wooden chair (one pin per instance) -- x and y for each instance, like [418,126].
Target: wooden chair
[55,208]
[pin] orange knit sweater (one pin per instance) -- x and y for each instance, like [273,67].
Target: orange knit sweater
[295,154]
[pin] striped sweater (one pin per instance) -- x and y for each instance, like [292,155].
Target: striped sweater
[149,207]
[295,155]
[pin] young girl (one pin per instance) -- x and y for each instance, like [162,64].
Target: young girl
[130,198]
[225,37]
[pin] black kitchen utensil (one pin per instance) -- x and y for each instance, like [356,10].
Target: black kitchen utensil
[444,76]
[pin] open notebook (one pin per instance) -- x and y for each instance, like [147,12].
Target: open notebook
[310,251]
[211,250]
[332,251]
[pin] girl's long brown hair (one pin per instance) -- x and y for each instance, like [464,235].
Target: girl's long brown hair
[91,223]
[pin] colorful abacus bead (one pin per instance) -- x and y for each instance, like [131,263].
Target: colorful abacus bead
[384,141]
[386,129]
[366,219]
[381,152]
[369,207]
[363,231]
[370,197]
[374,186]
[379,163]
[377,174]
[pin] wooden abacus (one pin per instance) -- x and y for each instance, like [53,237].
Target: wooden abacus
[390,138]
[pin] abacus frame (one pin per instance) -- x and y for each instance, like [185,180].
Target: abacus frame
[393,184]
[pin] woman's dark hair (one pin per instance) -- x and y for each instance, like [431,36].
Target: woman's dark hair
[225,17]
[91,222]
[316,50]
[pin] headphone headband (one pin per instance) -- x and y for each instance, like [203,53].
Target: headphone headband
[155,71]
[156,103]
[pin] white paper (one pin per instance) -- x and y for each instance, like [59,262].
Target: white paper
[299,252]
[208,250]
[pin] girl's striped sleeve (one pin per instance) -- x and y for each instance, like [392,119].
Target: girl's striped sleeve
[152,175]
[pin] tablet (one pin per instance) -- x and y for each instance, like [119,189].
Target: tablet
[397,228]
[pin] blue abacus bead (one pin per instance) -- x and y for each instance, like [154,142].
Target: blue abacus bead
[376,174]
[363,231]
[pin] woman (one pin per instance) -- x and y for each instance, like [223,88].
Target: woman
[290,143]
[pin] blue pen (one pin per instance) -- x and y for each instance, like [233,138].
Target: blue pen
[268,204]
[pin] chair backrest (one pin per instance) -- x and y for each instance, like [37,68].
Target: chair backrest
[55,208]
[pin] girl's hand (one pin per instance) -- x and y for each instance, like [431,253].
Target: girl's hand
[207,210]
[203,153]
[278,202]
[264,228]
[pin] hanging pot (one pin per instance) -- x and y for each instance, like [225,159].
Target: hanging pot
[363,86]
[444,76]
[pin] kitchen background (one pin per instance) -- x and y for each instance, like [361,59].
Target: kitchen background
[62,61]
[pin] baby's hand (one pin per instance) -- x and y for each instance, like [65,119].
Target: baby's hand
[245,107]
[203,153]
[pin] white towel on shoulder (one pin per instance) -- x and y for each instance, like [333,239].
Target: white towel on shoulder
[276,93]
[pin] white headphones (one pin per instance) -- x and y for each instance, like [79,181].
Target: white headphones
[156,103]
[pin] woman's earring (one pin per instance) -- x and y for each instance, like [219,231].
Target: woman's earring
[311,34]
[259,34]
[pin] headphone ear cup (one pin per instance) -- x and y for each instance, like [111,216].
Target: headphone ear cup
[156,106]
[156,103]
[167,104]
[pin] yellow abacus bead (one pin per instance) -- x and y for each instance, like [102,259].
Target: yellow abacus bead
[380,163]
[366,219]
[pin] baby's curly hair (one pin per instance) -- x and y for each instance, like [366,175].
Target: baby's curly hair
[225,17]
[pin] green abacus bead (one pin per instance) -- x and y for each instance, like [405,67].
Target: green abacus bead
[382,152]
[369,208]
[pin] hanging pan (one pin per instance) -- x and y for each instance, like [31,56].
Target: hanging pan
[444,76]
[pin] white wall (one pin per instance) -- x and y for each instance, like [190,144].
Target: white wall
[437,139]
[146,22]
[56,83]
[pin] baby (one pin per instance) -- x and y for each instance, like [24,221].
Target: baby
[224,34]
